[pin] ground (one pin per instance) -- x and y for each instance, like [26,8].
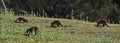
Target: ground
[78,31]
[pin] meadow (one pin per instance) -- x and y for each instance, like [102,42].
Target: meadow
[78,31]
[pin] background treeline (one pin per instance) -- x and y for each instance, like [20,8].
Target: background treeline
[88,10]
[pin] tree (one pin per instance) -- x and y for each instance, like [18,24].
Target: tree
[3,3]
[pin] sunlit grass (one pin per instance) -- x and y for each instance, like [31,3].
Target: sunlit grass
[78,31]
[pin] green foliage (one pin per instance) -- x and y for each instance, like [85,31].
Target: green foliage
[93,9]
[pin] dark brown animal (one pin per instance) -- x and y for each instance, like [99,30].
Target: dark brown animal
[20,12]
[21,20]
[30,30]
[103,22]
[56,23]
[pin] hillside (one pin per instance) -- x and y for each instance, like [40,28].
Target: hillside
[90,10]
[78,31]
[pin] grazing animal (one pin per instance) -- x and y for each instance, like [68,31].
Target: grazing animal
[31,30]
[21,20]
[56,23]
[103,22]
[20,12]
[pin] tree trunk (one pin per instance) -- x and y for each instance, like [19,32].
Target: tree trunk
[3,3]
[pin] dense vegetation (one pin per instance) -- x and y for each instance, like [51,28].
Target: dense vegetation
[90,10]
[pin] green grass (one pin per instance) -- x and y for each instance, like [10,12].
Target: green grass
[78,32]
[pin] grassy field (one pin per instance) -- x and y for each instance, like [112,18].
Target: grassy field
[77,32]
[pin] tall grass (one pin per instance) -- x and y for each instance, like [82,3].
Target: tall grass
[77,31]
